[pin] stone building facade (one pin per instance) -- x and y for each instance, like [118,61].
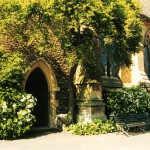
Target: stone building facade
[48,75]
[139,72]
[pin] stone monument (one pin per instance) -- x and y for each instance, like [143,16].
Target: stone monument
[89,103]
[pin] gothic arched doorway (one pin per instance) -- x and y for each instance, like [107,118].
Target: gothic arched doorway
[37,86]
[40,81]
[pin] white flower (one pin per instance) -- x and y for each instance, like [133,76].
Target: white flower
[14,105]
[31,100]
[35,99]
[30,106]
[22,112]
[28,110]
[4,119]
[29,96]
[28,120]
[20,123]
[23,99]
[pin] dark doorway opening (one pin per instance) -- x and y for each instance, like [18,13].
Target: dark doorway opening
[37,86]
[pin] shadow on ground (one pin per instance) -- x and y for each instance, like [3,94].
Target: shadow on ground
[38,133]
[135,132]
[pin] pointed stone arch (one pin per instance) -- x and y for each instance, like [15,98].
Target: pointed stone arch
[52,87]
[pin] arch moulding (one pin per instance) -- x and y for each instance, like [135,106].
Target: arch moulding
[52,87]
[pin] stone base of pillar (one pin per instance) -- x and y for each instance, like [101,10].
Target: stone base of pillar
[53,122]
[88,110]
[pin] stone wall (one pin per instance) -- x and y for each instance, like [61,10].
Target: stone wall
[136,73]
[126,75]
[55,57]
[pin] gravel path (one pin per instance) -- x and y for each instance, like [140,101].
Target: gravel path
[67,141]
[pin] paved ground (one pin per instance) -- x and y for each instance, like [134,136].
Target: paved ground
[67,141]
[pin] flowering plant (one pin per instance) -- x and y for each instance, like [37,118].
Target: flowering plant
[16,112]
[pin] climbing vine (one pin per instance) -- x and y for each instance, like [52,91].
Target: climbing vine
[34,28]
[76,26]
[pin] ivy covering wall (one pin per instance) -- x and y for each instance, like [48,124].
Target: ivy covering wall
[64,33]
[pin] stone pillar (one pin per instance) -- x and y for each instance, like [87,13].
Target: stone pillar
[52,111]
[89,104]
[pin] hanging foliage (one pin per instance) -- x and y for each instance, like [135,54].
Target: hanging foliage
[78,26]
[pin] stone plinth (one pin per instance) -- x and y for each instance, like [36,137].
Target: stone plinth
[89,104]
[88,110]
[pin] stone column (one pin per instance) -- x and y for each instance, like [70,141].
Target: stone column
[52,111]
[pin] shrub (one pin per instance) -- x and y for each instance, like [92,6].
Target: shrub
[12,68]
[16,112]
[15,105]
[128,100]
[93,128]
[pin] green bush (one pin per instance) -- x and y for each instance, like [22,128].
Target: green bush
[128,100]
[15,105]
[93,128]
[12,68]
[16,112]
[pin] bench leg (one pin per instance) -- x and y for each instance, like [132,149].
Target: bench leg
[123,129]
[127,131]
[142,128]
